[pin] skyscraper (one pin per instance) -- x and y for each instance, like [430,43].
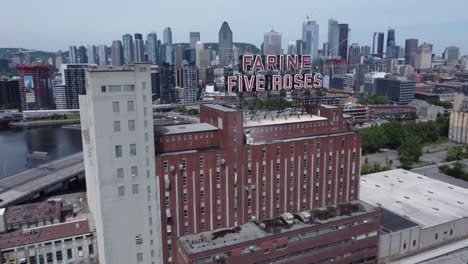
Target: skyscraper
[343,41]
[81,55]
[190,82]
[226,54]
[166,54]
[365,51]
[451,54]
[139,48]
[292,48]
[194,38]
[411,47]
[378,44]
[423,58]
[117,53]
[73,79]
[390,37]
[121,183]
[202,56]
[299,46]
[127,41]
[91,54]
[102,52]
[167,83]
[310,38]
[72,56]
[333,38]
[354,56]
[272,43]
[167,36]
[178,55]
[153,51]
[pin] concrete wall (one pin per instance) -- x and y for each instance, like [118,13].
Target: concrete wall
[399,243]
[443,233]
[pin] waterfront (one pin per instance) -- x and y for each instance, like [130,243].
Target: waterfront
[16,144]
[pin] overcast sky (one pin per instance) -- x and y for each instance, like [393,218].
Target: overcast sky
[55,24]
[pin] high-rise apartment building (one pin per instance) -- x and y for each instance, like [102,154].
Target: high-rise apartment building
[92,57]
[391,37]
[451,54]
[411,47]
[167,36]
[194,38]
[178,55]
[10,94]
[139,48]
[423,58]
[354,56]
[343,41]
[292,48]
[81,55]
[102,54]
[167,84]
[190,83]
[378,45]
[225,46]
[73,84]
[117,53]
[127,41]
[153,49]
[333,38]
[118,147]
[310,38]
[72,54]
[35,87]
[203,56]
[365,51]
[272,43]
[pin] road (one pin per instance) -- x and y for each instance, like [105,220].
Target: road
[27,183]
[432,171]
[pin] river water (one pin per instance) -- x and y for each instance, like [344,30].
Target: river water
[16,144]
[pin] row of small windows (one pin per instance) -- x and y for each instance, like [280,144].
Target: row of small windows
[290,127]
[121,190]
[49,257]
[187,137]
[130,106]
[131,126]
[118,88]
[132,150]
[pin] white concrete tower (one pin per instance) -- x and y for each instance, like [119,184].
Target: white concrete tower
[118,149]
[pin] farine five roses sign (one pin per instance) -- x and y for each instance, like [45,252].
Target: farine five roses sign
[248,83]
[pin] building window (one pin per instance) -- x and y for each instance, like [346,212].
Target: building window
[121,190]
[318,146]
[263,153]
[90,249]
[134,171]
[201,161]
[80,251]
[165,165]
[115,107]
[130,106]
[118,151]
[131,125]
[249,155]
[69,253]
[135,188]
[49,257]
[116,126]
[278,150]
[120,173]
[103,89]
[132,149]
[437,236]
[58,255]
[139,257]
[305,148]
[292,149]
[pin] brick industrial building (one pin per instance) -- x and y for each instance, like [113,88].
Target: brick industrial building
[261,189]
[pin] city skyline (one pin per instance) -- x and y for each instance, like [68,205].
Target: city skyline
[412,21]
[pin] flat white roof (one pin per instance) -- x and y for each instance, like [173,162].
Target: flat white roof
[281,120]
[423,200]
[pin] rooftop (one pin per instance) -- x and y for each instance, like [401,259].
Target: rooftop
[41,234]
[391,222]
[425,201]
[224,237]
[180,129]
[33,211]
[281,119]
[221,108]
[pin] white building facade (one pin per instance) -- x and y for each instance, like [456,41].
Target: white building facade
[118,148]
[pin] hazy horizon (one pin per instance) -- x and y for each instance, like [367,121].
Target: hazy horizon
[56,26]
